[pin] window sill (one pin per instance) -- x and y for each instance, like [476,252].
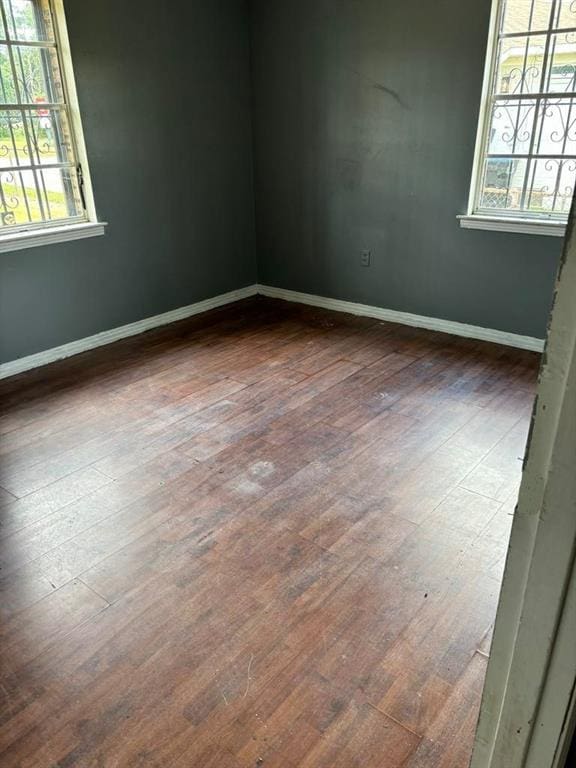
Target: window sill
[16,241]
[522,226]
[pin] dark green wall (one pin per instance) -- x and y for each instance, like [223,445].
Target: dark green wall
[165,94]
[365,121]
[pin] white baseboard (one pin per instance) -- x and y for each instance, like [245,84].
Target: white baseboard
[123,332]
[390,315]
[405,318]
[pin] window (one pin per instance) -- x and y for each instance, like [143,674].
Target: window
[525,164]
[43,173]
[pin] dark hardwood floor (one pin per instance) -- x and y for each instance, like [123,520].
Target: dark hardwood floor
[269,536]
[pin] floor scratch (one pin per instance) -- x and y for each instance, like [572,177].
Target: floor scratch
[248,676]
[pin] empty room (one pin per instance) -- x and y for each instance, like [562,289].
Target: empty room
[288,374]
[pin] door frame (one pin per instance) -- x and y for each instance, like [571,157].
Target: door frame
[528,706]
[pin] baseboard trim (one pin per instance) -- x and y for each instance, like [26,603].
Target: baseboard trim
[390,315]
[115,334]
[405,318]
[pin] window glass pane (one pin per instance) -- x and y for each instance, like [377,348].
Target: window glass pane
[38,75]
[536,15]
[512,127]
[7,89]
[19,198]
[532,126]
[61,193]
[502,184]
[520,62]
[538,187]
[556,133]
[525,15]
[561,63]
[29,20]
[13,144]
[551,184]
[35,196]
[50,137]
[565,15]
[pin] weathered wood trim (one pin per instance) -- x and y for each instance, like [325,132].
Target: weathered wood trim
[530,682]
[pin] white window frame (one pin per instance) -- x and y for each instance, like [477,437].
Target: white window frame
[497,223]
[90,227]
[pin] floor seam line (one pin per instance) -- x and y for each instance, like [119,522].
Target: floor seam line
[390,717]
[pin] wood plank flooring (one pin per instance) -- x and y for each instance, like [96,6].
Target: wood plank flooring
[268,536]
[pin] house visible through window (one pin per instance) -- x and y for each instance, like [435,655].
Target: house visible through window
[41,180]
[526,154]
